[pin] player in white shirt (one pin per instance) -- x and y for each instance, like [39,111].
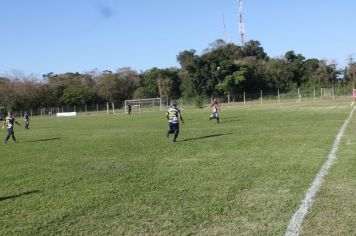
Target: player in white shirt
[214,110]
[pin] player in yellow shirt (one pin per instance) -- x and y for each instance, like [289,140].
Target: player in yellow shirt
[9,124]
[173,116]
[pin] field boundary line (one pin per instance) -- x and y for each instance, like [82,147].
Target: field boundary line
[295,224]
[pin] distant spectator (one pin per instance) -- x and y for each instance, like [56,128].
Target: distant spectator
[27,121]
[129,107]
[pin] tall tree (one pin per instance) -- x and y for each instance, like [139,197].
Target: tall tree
[278,72]
[76,95]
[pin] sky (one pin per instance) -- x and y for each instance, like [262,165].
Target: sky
[43,36]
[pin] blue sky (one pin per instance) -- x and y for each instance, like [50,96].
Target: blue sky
[42,36]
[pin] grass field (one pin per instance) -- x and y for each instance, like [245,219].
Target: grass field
[119,174]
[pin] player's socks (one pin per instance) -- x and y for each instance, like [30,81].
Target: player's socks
[175,137]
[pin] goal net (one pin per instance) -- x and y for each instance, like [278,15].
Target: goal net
[146,105]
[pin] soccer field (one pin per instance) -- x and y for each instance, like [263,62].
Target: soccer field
[119,174]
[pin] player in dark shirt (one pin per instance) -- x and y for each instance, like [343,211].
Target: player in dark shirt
[27,121]
[129,107]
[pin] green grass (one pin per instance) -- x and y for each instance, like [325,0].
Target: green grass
[119,174]
[334,212]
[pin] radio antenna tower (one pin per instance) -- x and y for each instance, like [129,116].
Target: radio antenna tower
[223,20]
[241,24]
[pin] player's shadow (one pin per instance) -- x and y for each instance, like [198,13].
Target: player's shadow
[18,195]
[228,121]
[41,140]
[204,137]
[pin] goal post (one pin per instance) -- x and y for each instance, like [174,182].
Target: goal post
[146,105]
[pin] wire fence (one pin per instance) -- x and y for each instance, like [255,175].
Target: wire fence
[257,97]
[299,95]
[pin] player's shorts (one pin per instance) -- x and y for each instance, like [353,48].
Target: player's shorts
[10,131]
[214,115]
[173,127]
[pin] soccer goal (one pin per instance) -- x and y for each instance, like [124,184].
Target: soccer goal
[146,105]
[327,93]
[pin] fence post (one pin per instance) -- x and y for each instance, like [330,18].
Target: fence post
[97,107]
[261,96]
[278,97]
[321,92]
[228,97]
[107,108]
[244,97]
[314,93]
[113,107]
[332,90]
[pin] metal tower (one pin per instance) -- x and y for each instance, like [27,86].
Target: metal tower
[223,21]
[241,24]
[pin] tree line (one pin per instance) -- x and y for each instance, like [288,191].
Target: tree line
[221,69]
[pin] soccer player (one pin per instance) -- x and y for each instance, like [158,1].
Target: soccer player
[173,115]
[214,110]
[9,123]
[27,121]
[354,96]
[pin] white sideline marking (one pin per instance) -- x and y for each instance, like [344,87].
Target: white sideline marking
[295,224]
